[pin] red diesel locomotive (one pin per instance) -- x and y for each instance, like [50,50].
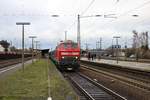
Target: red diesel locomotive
[66,55]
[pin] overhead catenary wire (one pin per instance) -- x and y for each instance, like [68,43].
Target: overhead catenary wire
[87,8]
[135,8]
[91,3]
[125,13]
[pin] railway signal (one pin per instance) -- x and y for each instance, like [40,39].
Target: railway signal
[117,46]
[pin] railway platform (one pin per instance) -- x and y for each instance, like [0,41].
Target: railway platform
[126,64]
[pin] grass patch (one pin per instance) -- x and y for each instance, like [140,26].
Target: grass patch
[60,88]
[33,84]
[30,84]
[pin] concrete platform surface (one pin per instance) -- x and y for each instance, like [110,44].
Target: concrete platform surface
[127,64]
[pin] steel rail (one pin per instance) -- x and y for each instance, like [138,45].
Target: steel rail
[121,78]
[116,95]
[11,62]
[90,95]
[82,90]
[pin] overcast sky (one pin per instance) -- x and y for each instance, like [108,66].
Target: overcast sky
[50,30]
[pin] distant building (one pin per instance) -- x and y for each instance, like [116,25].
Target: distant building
[2,49]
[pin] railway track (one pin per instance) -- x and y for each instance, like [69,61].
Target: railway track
[90,89]
[131,77]
[5,63]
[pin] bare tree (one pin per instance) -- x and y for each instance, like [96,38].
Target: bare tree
[5,44]
[144,41]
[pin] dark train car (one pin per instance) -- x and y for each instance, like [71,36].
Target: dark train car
[10,55]
[66,55]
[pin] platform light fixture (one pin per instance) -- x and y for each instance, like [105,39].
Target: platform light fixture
[23,24]
[32,37]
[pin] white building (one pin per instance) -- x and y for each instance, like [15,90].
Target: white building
[2,49]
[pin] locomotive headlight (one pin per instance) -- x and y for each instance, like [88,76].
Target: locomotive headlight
[76,57]
[62,57]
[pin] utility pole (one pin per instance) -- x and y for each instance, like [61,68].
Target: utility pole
[96,45]
[86,45]
[65,35]
[32,37]
[117,46]
[23,23]
[112,48]
[78,27]
[125,48]
[100,43]
[78,31]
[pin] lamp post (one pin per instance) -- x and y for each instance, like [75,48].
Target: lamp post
[36,44]
[23,24]
[117,46]
[32,37]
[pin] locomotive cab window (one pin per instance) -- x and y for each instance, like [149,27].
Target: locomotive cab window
[70,45]
[66,45]
[74,45]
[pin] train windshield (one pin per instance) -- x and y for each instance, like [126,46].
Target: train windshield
[70,45]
